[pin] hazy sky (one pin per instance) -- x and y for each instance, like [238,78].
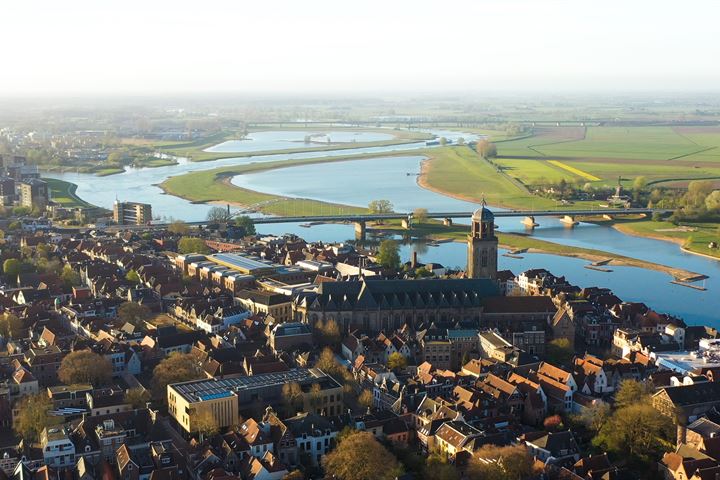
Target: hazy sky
[170,46]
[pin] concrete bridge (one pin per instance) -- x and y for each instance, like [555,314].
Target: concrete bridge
[360,220]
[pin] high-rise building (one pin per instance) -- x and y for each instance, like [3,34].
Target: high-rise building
[34,193]
[131,213]
[482,245]
[7,191]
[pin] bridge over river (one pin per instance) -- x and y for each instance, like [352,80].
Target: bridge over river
[361,220]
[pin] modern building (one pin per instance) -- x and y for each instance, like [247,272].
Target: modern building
[482,258]
[131,213]
[223,398]
[33,193]
[7,191]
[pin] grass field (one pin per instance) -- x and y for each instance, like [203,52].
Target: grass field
[697,239]
[533,172]
[63,193]
[574,170]
[458,171]
[214,186]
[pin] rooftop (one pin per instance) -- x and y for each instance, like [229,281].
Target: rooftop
[241,262]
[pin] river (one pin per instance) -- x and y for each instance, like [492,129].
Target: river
[395,178]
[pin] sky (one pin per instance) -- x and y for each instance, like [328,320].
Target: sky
[53,47]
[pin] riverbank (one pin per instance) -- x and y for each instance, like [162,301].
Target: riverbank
[515,241]
[196,152]
[64,193]
[694,238]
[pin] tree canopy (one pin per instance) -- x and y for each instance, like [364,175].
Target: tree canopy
[34,416]
[192,245]
[11,268]
[246,224]
[486,149]
[501,463]
[389,254]
[380,206]
[133,313]
[219,215]
[84,366]
[359,456]
[396,361]
[178,367]
[10,325]
[178,227]
[559,352]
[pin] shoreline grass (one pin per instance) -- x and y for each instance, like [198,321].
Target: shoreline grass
[64,193]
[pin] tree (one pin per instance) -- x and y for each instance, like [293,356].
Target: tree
[137,397]
[389,254]
[596,416]
[631,391]
[294,475]
[70,277]
[327,333]
[501,463]
[292,396]
[366,399]
[443,141]
[132,276]
[486,149]
[396,361]
[219,215]
[437,467]
[11,268]
[636,432]
[246,224]
[10,325]
[204,423]
[639,184]
[559,352]
[33,417]
[420,214]
[178,367]
[85,366]
[553,422]
[133,313]
[461,141]
[360,457]
[192,245]
[380,206]
[712,201]
[178,227]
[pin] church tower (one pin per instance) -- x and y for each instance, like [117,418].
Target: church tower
[482,245]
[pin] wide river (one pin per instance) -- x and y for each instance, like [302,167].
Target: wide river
[395,178]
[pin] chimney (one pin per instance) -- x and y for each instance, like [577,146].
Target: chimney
[681,433]
[414,259]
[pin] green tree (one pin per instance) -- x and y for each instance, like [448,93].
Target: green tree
[178,367]
[132,276]
[443,141]
[246,223]
[84,366]
[205,424]
[461,141]
[10,325]
[636,432]
[596,416]
[559,352]
[396,361]
[192,245]
[437,467]
[360,457]
[389,254]
[178,227]
[640,183]
[134,313]
[631,391]
[11,268]
[137,397]
[219,215]
[380,206]
[70,277]
[712,201]
[34,416]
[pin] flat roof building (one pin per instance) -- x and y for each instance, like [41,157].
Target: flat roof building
[132,213]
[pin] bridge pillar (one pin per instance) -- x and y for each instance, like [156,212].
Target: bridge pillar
[360,230]
[569,221]
[406,223]
[447,222]
[530,222]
